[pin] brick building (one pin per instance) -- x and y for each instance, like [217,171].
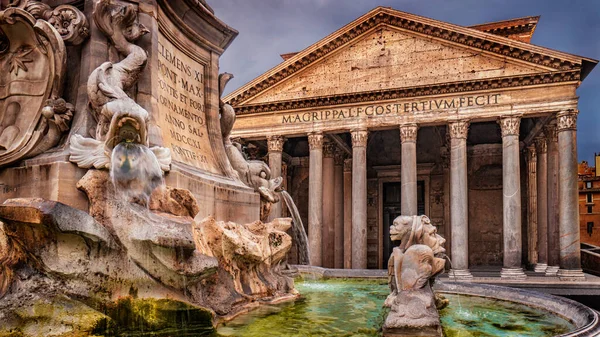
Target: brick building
[589,202]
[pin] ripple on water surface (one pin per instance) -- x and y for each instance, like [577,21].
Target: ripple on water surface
[354,308]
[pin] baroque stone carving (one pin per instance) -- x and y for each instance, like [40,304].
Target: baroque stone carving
[510,125]
[275,143]
[315,141]
[253,173]
[359,138]
[33,117]
[459,129]
[411,268]
[566,121]
[408,133]
[119,118]
[68,21]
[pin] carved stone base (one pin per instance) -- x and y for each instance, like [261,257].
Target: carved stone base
[429,331]
[540,267]
[513,273]
[571,275]
[463,275]
[552,271]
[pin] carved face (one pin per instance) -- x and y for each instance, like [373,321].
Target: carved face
[432,239]
[401,227]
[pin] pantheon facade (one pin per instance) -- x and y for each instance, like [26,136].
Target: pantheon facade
[396,113]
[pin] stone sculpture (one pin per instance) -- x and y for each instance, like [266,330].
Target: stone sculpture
[33,117]
[253,173]
[119,118]
[140,241]
[411,268]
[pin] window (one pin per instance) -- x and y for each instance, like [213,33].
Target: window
[588,184]
[590,228]
[589,209]
[589,197]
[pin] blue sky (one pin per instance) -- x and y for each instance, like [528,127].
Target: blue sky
[269,28]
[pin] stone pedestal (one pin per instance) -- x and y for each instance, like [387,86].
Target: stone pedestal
[568,206]
[511,201]
[542,205]
[275,146]
[459,205]
[328,232]
[338,207]
[315,197]
[408,138]
[553,230]
[359,199]
[348,213]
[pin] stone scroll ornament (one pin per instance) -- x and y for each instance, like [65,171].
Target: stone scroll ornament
[119,118]
[33,116]
[412,267]
[253,173]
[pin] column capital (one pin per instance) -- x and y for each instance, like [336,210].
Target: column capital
[531,153]
[541,144]
[359,137]
[328,149]
[315,140]
[348,165]
[551,133]
[338,157]
[408,132]
[459,129]
[510,125]
[275,143]
[566,121]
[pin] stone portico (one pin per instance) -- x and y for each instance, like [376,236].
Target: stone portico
[400,114]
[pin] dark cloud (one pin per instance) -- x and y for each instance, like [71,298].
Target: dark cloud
[269,28]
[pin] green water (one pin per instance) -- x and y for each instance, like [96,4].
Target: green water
[354,308]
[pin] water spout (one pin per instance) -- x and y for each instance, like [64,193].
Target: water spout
[298,232]
[135,171]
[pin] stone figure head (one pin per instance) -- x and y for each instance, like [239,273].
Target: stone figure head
[410,230]
[417,265]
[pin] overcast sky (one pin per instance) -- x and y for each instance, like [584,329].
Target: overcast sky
[269,28]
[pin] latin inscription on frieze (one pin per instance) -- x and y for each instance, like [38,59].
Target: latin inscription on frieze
[181,101]
[392,109]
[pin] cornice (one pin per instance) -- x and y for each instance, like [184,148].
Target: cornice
[416,91]
[468,37]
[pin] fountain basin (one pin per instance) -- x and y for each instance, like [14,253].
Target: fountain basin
[353,307]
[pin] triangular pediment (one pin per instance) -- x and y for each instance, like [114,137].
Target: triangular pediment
[387,58]
[388,49]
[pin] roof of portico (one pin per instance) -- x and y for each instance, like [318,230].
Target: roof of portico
[552,66]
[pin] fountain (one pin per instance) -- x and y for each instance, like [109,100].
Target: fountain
[127,209]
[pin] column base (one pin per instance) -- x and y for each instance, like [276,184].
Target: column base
[571,275]
[463,275]
[513,273]
[552,271]
[540,267]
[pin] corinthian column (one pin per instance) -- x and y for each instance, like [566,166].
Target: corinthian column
[542,204]
[328,205]
[315,197]
[348,213]
[553,230]
[359,199]
[338,207]
[459,205]
[568,207]
[275,146]
[511,201]
[532,238]
[408,190]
